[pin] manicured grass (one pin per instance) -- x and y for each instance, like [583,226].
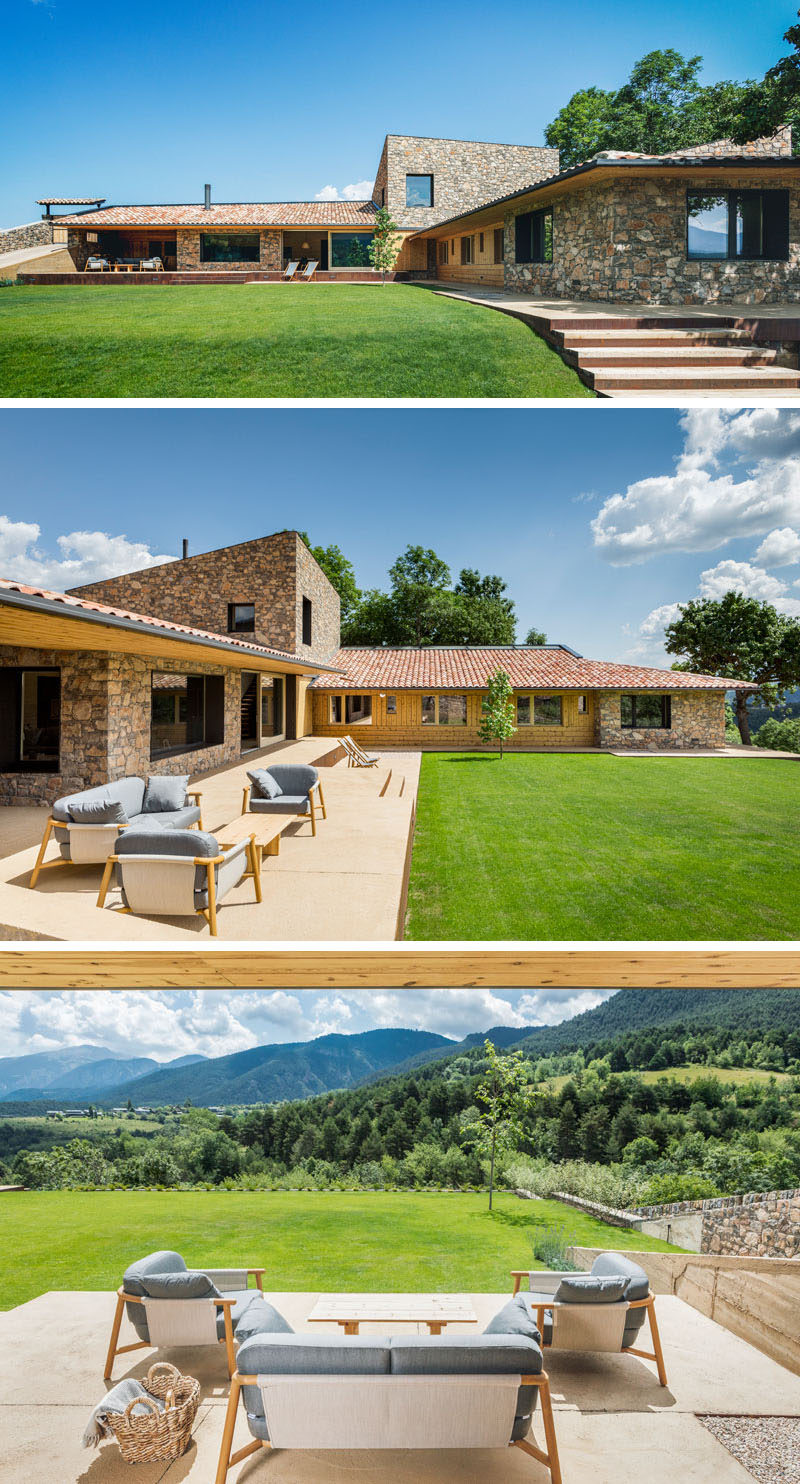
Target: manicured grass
[235,340]
[376,1242]
[585,846]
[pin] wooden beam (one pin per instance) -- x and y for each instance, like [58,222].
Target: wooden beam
[405,967]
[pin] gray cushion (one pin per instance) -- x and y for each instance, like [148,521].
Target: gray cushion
[284,804]
[585,1288]
[529,1301]
[264,785]
[167,842]
[615,1264]
[294,778]
[164,793]
[188,1285]
[129,792]
[173,819]
[154,1262]
[97,811]
[515,1318]
[474,1355]
[307,1355]
[256,1317]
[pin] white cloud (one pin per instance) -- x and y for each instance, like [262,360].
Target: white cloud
[740,577]
[360,191]
[84,556]
[781,548]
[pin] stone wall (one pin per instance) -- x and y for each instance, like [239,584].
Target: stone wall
[129,687]
[270,254]
[698,720]
[466,173]
[624,239]
[79,248]
[759,1225]
[273,572]
[769,145]
[31,234]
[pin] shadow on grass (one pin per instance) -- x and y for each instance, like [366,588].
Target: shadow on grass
[480,757]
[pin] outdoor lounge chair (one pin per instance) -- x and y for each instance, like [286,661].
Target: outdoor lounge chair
[96,264]
[356,757]
[169,1305]
[290,270]
[409,1391]
[151,265]
[298,789]
[308,272]
[86,825]
[603,1310]
[178,873]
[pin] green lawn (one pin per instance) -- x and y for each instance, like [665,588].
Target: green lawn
[377,1242]
[733,1076]
[268,341]
[584,846]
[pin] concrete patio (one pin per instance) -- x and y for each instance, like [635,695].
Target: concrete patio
[348,883]
[615,1424]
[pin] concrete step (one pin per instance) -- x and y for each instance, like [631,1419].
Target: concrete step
[700,378]
[684,355]
[591,339]
[566,324]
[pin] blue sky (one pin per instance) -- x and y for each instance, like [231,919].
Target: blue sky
[270,101]
[600,521]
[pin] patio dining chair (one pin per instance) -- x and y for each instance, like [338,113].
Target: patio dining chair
[290,270]
[308,272]
[356,757]
[178,873]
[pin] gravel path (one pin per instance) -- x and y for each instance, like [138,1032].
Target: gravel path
[768,1447]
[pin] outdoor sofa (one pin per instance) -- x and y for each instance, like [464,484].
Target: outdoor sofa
[170,1305]
[285,788]
[409,1391]
[86,825]
[602,1310]
[178,873]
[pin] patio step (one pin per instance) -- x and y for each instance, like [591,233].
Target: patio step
[578,339]
[679,355]
[693,378]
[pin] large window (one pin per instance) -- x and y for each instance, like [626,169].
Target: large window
[354,710]
[467,246]
[241,618]
[539,711]
[186,712]
[737,224]
[645,712]
[230,247]
[30,720]
[350,249]
[499,253]
[533,233]
[444,711]
[419,190]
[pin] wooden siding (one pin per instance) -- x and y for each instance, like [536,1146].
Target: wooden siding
[482,269]
[405,728]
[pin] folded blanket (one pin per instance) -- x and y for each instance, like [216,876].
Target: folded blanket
[116,1400]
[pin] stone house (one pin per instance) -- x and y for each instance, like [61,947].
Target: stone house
[716,223]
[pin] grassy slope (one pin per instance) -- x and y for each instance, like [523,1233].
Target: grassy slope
[555,846]
[377,1242]
[733,1076]
[263,341]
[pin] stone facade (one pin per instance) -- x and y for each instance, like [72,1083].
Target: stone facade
[270,253]
[753,1225]
[767,147]
[466,173]
[79,248]
[273,572]
[698,720]
[623,239]
[31,234]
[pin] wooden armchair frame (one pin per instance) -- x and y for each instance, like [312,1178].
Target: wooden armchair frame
[315,788]
[209,862]
[648,1303]
[64,824]
[356,756]
[547,1455]
[225,1304]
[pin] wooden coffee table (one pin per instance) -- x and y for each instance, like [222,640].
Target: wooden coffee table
[264,829]
[349,1310]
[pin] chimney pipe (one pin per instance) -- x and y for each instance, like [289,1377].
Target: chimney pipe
[207,190]
[185,551]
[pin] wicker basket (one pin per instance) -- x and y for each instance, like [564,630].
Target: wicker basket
[155,1436]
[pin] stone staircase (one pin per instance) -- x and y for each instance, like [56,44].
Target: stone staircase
[677,354]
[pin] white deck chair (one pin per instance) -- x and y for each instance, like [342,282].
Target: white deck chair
[356,757]
[290,270]
[178,873]
[308,272]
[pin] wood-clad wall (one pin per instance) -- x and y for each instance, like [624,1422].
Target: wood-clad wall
[405,728]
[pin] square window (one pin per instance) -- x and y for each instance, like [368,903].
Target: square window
[523,711]
[533,235]
[419,190]
[547,711]
[646,712]
[241,618]
[452,711]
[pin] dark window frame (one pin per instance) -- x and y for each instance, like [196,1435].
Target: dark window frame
[419,175]
[665,725]
[537,238]
[213,713]
[499,245]
[235,627]
[206,238]
[467,251]
[307,621]
[547,722]
[16,763]
[732,197]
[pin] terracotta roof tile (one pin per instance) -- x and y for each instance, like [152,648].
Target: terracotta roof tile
[231,214]
[548,667]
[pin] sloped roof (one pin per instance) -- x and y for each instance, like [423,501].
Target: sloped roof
[546,667]
[230,214]
[46,601]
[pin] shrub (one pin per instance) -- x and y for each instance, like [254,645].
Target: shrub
[779,736]
[550,1247]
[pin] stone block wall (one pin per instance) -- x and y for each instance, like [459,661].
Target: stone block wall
[128,719]
[84,726]
[273,572]
[270,255]
[31,234]
[769,145]
[754,1225]
[79,248]
[623,239]
[465,173]
[698,720]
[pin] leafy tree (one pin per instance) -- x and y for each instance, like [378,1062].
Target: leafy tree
[536,636]
[340,572]
[422,607]
[497,710]
[385,243]
[740,637]
[766,105]
[502,1098]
